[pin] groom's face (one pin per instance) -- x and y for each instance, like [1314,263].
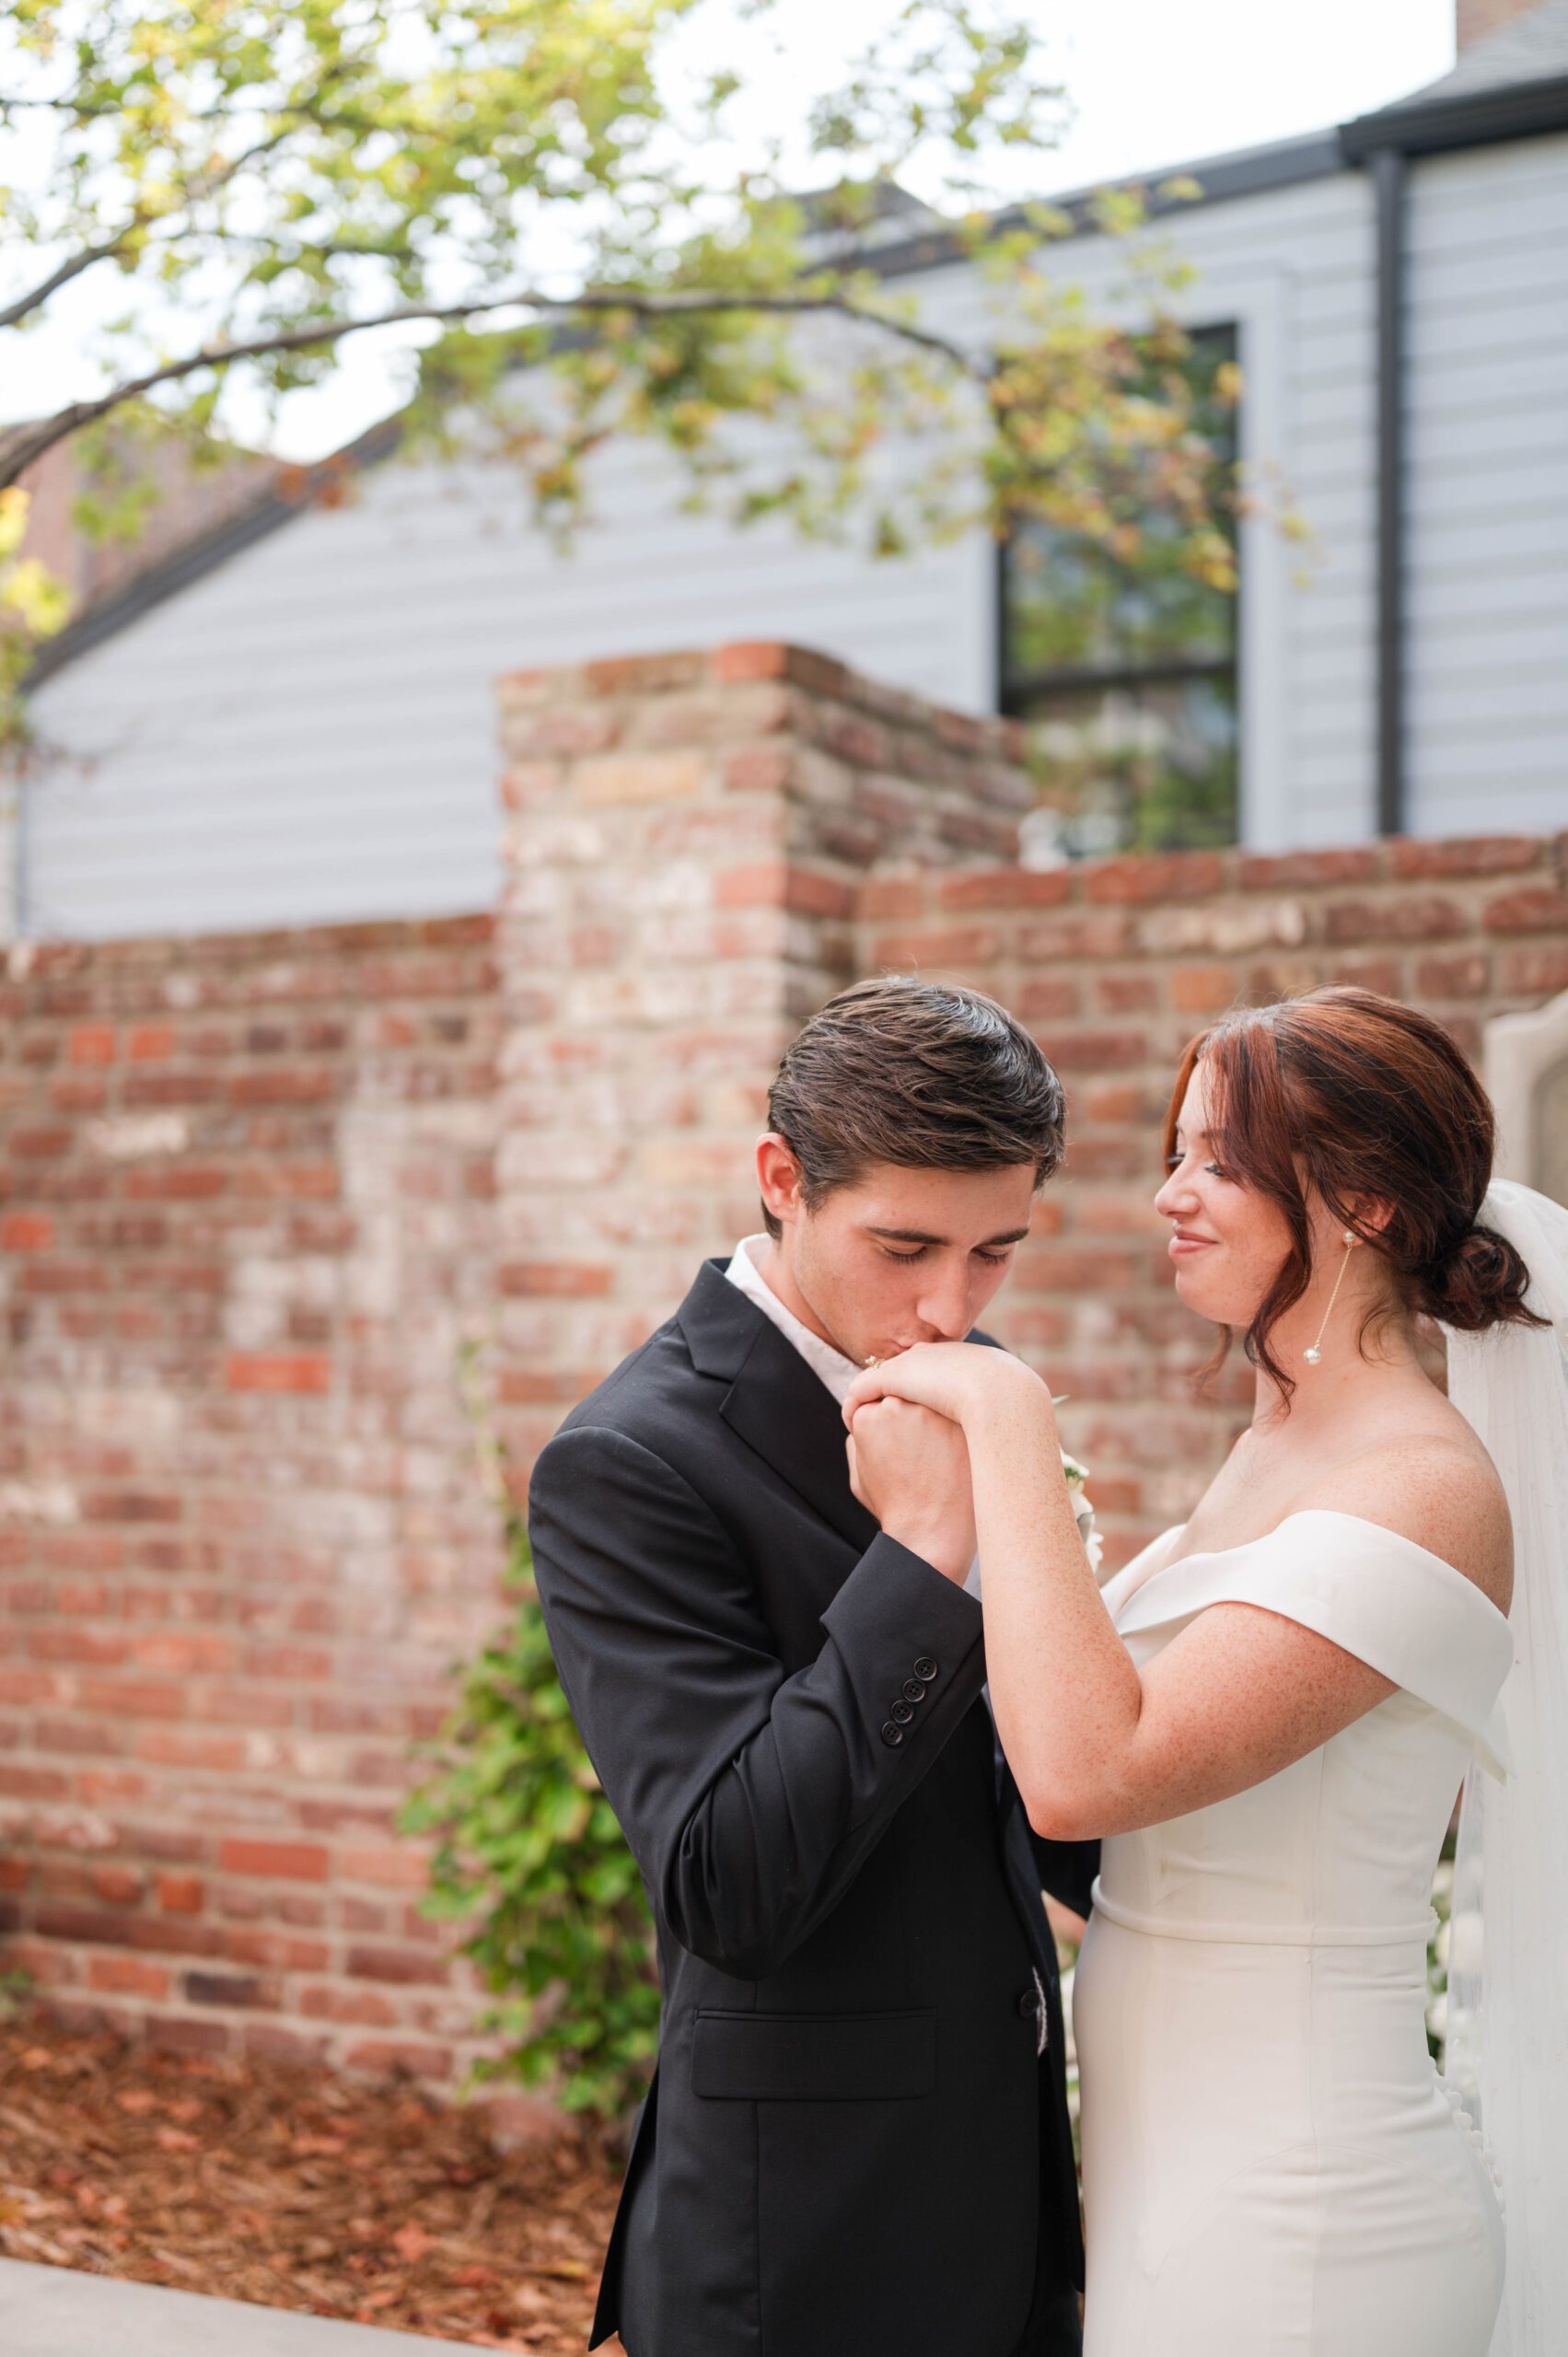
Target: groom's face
[900,1256]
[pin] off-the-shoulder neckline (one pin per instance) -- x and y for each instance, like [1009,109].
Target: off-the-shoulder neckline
[1336,1513]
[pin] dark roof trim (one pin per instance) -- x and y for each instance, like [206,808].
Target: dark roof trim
[296,489]
[1253,172]
[1522,110]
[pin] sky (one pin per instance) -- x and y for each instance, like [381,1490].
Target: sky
[1153,83]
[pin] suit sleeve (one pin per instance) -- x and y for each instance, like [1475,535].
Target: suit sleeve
[749,1798]
[1067,1870]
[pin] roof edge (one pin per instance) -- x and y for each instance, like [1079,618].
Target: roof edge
[1516,110]
[296,489]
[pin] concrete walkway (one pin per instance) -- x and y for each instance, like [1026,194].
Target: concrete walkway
[55,2311]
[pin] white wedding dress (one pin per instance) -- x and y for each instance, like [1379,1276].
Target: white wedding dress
[1272,2167]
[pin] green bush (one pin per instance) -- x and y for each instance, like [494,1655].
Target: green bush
[528,1847]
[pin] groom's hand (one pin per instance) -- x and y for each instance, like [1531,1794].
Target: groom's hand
[911,1468]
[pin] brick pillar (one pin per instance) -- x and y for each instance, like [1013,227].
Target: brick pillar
[687,838]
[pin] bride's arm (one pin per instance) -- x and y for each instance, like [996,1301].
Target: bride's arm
[1093,1746]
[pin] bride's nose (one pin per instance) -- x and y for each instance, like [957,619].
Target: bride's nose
[1174,1195]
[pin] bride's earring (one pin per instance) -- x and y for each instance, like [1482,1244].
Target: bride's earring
[1314,1351]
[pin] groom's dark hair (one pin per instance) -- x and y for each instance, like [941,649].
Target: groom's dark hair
[925,1075]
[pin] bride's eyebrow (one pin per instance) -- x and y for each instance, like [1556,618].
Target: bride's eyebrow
[918,1235]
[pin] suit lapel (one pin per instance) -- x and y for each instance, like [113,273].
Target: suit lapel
[775,1404]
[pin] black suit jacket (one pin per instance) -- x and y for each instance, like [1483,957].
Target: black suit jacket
[848,2145]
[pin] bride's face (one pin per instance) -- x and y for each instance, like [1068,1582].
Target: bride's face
[1227,1240]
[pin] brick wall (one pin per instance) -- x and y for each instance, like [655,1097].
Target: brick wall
[702,848]
[246,1221]
[256,1193]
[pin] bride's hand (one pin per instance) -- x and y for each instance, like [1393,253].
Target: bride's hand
[957,1379]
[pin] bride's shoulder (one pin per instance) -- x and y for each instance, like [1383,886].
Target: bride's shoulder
[1441,1489]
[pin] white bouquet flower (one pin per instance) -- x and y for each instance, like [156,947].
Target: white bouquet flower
[1083,1510]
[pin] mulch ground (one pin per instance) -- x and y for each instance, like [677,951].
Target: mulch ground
[267,2182]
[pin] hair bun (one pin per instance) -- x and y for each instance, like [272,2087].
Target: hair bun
[1479,1283]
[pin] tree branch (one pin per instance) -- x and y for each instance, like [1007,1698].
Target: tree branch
[24,445]
[204,184]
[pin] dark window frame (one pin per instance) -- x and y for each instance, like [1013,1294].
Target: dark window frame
[1016,689]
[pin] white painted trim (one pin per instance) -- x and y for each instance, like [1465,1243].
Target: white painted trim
[1518,1052]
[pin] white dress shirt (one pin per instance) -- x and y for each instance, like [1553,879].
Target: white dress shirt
[837,1372]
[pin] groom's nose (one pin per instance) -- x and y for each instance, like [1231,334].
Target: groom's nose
[946,1305]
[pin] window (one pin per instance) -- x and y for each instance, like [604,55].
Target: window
[1131,676]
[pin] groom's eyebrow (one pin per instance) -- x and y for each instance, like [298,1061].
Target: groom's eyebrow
[918,1235]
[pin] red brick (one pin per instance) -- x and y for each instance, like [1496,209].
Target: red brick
[1454,977]
[91,1043]
[1040,1001]
[150,1041]
[758,769]
[271,2042]
[121,1885]
[366,1962]
[362,2008]
[949,947]
[27,1232]
[1097,1051]
[556,1280]
[1065,1269]
[778,885]
[1534,973]
[298,1860]
[181,1894]
[278,1371]
[1154,876]
[644,675]
[1128,993]
[129,1975]
[137,1698]
[177,2034]
[191,1748]
[1288,871]
[1402,917]
[761,658]
[1007,888]
[1203,990]
[1465,856]
[399,1866]
[230,1988]
[1539,911]
[401,2057]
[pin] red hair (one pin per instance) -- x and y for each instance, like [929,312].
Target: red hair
[1359,1100]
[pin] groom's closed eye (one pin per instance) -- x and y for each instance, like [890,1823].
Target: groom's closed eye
[995,1249]
[918,1254]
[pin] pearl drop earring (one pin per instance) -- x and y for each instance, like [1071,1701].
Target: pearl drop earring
[1314,1351]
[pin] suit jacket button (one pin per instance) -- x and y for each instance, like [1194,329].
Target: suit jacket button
[901,1713]
[926,1669]
[912,1690]
[891,1735]
[1028,2006]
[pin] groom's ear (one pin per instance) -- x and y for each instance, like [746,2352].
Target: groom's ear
[779,1177]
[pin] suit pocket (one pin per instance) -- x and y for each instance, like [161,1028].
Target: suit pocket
[813,2058]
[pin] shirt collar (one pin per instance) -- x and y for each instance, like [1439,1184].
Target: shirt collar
[830,1364]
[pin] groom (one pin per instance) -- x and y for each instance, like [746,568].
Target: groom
[856,2141]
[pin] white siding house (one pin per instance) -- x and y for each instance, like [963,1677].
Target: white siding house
[293,720]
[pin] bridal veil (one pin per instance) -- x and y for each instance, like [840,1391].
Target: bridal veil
[1507,2051]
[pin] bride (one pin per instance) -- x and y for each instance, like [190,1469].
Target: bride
[1269,1712]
